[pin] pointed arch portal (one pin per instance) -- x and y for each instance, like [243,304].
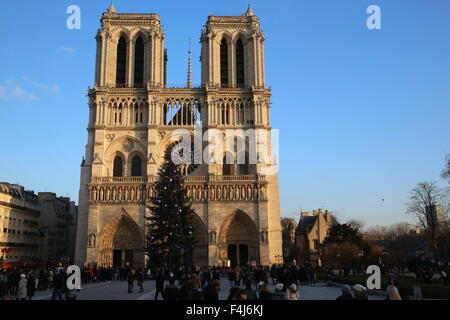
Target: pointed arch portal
[238,240]
[121,244]
[200,255]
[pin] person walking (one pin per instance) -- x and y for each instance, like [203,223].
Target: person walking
[22,288]
[130,279]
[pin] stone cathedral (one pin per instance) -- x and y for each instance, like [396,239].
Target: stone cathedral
[132,117]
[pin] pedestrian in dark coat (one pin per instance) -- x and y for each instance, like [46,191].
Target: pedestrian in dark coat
[212,290]
[31,286]
[159,284]
[346,293]
[264,293]
[59,282]
[171,292]
[130,279]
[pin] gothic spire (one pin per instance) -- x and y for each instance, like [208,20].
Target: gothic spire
[189,77]
[111,8]
[249,11]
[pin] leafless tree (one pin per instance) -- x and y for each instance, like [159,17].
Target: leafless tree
[399,229]
[423,198]
[446,171]
[376,233]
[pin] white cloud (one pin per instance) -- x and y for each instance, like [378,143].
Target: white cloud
[47,87]
[67,50]
[53,87]
[2,93]
[21,94]
[13,89]
[15,93]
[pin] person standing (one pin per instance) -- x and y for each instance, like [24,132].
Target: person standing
[212,290]
[159,284]
[58,286]
[346,293]
[292,292]
[130,279]
[251,293]
[264,292]
[171,292]
[444,277]
[279,294]
[31,285]
[392,292]
[141,278]
[22,288]
[360,292]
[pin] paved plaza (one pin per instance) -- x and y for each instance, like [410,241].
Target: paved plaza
[117,290]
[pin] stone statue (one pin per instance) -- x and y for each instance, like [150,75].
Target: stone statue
[92,240]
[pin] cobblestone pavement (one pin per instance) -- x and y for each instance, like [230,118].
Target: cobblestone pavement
[117,290]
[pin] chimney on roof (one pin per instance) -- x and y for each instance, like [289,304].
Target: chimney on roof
[304,214]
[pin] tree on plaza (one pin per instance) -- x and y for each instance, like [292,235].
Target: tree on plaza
[170,231]
[345,233]
[424,198]
[344,245]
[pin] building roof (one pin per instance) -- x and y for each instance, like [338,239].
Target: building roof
[18,191]
[305,224]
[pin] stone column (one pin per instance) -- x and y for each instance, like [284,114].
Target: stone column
[130,63]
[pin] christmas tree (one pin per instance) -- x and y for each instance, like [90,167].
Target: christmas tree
[170,234]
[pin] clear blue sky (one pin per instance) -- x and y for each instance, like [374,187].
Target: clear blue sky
[363,114]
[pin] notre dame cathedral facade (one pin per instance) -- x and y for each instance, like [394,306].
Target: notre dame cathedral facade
[133,116]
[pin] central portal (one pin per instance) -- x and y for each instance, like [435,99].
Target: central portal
[238,254]
[241,240]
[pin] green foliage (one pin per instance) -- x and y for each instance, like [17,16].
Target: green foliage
[345,233]
[170,233]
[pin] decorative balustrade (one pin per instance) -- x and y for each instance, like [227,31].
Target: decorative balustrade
[187,179]
[119,179]
[199,188]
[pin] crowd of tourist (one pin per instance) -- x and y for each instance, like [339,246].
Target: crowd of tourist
[246,283]
[278,282]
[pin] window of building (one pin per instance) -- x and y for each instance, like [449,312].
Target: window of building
[118,167]
[240,63]
[136,166]
[224,63]
[121,66]
[139,62]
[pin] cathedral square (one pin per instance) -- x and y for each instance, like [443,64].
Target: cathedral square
[182,194]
